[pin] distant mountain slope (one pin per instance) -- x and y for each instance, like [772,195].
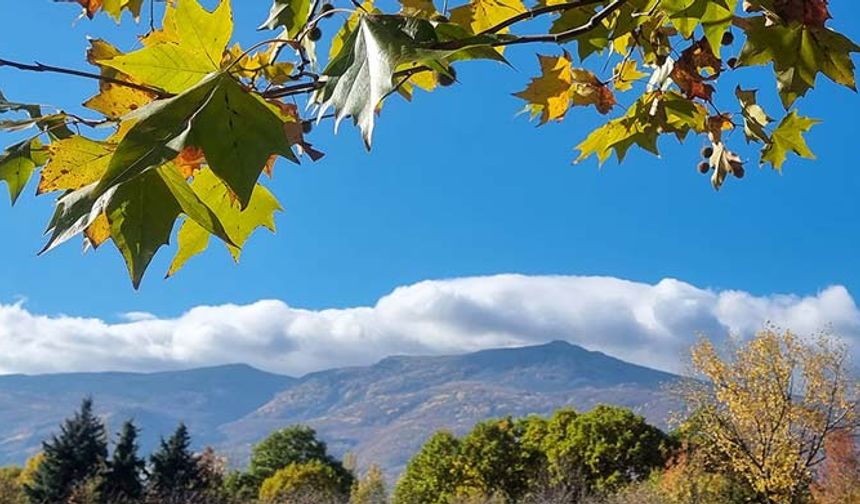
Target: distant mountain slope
[382,412]
[32,407]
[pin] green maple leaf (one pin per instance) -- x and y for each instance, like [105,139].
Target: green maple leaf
[361,74]
[788,137]
[715,17]
[240,224]
[141,216]
[237,131]
[799,53]
[17,164]
[652,115]
[190,46]
[291,14]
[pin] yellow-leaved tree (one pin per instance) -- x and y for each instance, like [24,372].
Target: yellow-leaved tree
[766,406]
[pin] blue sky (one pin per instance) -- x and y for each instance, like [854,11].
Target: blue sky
[458,185]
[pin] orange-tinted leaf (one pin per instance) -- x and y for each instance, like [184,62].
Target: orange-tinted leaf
[189,161]
[91,6]
[99,231]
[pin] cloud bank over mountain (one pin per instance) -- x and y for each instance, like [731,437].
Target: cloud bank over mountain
[647,324]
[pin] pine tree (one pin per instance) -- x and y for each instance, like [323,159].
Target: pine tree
[123,478]
[72,459]
[174,472]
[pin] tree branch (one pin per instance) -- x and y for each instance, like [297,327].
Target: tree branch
[39,67]
[533,13]
[566,35]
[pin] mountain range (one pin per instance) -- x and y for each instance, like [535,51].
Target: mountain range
[382,413]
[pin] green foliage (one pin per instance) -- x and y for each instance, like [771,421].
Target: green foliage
[125,469]
[608,446]
[73,457]
[293,445]
[174,471]
[433,474]
[312,481]
[566,456]
[494,462]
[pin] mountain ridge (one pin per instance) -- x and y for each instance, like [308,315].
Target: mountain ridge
[382,412]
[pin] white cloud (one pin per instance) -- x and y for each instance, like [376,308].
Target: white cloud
[648,324]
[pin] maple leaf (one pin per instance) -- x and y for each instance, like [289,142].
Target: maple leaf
[686,72]
[239,223]
[190,46]
[361,74]
[17,164]
[625,74]
[788,137]
[714,16]
[799,53]
[114,100]
[756,119]
[236,130]
[75,162]
[291,14]
[479,15]
[418,8]
[588,90]
[91,7]
[549,94]
[189,161]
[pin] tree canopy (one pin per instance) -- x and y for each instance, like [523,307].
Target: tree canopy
[195,121]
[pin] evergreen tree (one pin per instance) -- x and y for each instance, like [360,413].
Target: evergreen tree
[174,473]
[123,478]
[71,459]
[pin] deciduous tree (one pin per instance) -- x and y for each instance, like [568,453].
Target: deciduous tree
[768,406]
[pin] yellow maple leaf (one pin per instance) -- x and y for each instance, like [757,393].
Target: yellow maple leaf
[549,94]
[113,100]
[75,162]
[626,73]
[480,15]
[99,231]
[190,45]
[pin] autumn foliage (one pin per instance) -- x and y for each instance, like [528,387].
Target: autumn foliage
[194,119]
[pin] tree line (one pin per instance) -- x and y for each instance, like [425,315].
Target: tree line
[768,421]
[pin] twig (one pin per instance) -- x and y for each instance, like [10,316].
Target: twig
[39,67]
[531,14]
[295,89]
[566,35]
